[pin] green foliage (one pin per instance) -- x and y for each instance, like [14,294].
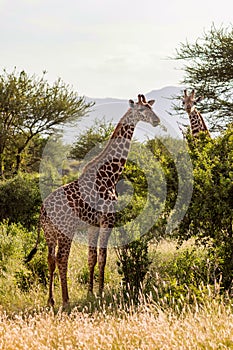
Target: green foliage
[173,158]
[183,274]
[208,68]
[7,247]
[29,106]
[20,200]
[210,214]
[31,156]
[14,242]
[131,199]
[141,193]
[91,139]
[133,264]
[52,174]
[165,152]
[193,266]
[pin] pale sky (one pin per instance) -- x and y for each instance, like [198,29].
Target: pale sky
[105,48]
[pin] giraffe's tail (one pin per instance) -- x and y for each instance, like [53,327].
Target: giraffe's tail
[34,250]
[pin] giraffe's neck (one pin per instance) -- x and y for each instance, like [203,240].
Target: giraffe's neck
[109,164]
[197,122]
[101,174]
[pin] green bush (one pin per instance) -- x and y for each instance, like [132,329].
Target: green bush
[133,264]
[20,200]
[181,274]
[15,241]
[210,213]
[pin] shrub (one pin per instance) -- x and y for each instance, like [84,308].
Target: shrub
[133,264]
[183,274]
[20,200]
[14,243]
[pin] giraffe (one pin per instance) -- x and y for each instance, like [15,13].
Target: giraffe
[196,120]
[90,199]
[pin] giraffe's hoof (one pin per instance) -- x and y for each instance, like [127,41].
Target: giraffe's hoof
[51,302]
[66,306]
[101,293]
[91,295]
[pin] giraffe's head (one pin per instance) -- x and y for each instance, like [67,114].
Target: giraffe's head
[189,101]
[143,112]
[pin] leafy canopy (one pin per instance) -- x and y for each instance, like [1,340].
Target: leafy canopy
[29,106]
[208,68]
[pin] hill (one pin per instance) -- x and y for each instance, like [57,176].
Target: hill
[112,109]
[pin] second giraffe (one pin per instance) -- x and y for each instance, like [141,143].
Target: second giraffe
[197,122]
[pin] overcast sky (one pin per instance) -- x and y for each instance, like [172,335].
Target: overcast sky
[105,48]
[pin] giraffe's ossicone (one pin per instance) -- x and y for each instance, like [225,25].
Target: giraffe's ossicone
[90,200]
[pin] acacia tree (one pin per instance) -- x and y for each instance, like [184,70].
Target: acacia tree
[209,69]
[29,106]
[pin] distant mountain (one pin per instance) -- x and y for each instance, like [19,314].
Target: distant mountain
[112,109]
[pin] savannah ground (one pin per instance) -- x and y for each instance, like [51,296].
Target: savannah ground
[169,318]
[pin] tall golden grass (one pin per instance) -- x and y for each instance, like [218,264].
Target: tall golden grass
[110,323]
[206,327]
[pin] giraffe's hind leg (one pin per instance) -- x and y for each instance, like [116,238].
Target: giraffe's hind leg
[51,239]
[52,266]
[62,257]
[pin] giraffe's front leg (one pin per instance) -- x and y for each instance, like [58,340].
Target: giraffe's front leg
[93,234]
[102,258]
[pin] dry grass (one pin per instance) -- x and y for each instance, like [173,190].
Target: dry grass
[209,327]
[109,324]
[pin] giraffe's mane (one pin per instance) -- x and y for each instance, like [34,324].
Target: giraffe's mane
[119,125]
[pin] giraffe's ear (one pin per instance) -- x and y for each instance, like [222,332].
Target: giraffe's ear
[151,102]
[199,99]
[131,103]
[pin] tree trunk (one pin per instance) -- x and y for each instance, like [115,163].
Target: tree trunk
[18,161]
